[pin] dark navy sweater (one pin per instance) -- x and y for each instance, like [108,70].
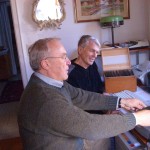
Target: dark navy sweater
[88,79]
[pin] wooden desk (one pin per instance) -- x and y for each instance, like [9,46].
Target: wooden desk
[138,51]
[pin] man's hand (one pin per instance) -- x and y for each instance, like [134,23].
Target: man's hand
[132,104]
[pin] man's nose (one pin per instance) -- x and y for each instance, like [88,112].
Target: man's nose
[68,61]
[95,54]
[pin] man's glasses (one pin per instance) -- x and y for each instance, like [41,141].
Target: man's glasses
[62,57]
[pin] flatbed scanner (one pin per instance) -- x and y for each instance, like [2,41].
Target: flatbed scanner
[144,131]
[144,95]
[135,44]
[140,44]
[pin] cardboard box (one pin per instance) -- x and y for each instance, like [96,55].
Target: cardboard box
[117,70]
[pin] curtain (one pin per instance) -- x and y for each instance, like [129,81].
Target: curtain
[6,33]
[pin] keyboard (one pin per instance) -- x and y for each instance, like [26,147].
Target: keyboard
[126,94]
[139,94]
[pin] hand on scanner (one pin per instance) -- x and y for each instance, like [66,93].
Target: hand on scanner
[132,104]
[142,116]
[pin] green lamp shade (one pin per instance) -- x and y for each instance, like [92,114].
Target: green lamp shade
[111,21]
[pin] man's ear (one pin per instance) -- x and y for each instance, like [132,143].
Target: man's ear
[80,49]
[45,64]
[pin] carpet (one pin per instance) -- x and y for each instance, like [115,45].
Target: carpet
[11,92]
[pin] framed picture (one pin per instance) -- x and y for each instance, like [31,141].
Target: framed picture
[93,10]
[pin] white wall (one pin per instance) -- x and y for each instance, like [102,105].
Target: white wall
[135,28]
[149,19]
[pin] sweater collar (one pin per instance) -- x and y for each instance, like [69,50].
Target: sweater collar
[49,80]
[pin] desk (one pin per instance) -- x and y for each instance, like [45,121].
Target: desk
[138,50]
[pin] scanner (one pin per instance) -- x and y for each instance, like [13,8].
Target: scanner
[140,44]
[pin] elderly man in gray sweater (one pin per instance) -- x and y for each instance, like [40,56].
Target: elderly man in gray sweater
[51,114]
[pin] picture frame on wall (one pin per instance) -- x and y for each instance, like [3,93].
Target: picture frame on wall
[93,10]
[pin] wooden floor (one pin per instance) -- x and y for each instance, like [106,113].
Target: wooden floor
[11,144]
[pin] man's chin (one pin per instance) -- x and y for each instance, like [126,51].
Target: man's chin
[91,62]
[66,77]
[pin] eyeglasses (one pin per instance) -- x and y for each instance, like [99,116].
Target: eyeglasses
[65,57]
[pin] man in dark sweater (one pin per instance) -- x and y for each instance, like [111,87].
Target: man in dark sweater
[51,114]
[83,71]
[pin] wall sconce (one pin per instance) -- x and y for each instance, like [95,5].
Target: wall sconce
[111,22]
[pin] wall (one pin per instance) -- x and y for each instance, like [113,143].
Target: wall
[149,19]
[135,28]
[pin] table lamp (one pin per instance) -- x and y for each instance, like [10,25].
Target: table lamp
[111,22]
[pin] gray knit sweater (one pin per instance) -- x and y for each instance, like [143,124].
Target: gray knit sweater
[52,118]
